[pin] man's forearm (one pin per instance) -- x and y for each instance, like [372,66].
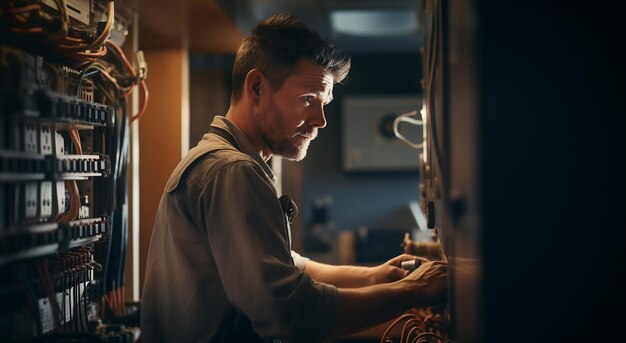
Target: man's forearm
[363,308]
[339,276]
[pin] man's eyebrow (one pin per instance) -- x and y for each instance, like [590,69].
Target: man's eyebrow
[316,85]
[330,98]
[321,89]
[316,88]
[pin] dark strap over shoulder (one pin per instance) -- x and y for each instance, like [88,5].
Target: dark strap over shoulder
[224,134]
[198,151]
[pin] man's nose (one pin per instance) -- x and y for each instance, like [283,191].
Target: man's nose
[319,119]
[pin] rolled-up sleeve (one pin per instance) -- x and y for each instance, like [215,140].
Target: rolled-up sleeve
[299,260]
[246,231]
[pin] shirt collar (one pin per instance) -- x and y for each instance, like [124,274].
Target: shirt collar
[243,143]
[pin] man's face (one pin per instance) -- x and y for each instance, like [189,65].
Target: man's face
[290,116]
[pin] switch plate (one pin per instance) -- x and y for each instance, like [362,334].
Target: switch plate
[45,139]
[30,200]
[59,144]
[30,138]
[45,199]
[60,197]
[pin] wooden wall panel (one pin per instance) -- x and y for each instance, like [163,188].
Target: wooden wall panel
[163,133]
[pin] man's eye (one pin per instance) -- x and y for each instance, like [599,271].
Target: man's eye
[308,100]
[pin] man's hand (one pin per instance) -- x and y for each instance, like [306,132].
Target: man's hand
[390,271]
[364,307]
[430,282]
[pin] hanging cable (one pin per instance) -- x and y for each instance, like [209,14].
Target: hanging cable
[406,118]
[144,103]
[98,43]
[138,76]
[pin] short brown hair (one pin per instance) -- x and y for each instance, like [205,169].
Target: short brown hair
[275,47]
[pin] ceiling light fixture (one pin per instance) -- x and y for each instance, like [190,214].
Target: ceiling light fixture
[380,23]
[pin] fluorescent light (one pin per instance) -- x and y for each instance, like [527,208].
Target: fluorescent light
[374,22]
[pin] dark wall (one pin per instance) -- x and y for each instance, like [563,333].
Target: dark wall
[360,199]
[553,191]
[209,92]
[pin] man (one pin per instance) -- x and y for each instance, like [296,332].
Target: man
[220,266]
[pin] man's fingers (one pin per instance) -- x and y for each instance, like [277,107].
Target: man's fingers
[396,261]
[400,273]
[430,267]
[405,257]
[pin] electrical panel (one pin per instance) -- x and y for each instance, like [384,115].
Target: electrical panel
[64,145]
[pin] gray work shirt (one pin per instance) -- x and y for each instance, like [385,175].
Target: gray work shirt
[220,266]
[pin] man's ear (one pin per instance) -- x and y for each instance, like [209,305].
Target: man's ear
[253,85]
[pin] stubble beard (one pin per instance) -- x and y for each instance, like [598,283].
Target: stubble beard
[281,142]
[286,148]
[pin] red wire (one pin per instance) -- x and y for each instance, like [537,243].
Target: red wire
[122,300]
[131,71]
[393,324]
[119,51]
[144,104]
[406,326]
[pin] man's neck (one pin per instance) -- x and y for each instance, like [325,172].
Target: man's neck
[242,118]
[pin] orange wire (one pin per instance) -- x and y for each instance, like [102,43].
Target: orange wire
[110,21]
[415,328]
[114,301]
[121,300]
[92,53]
[98,42]
[131,71]
[74,199]
[393,324]
[75,137]
[31,30]
[117,301]
[74,39]
[144,105]
[405,326]
[120,53]
[21,18]
[110,298]
[426,334]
